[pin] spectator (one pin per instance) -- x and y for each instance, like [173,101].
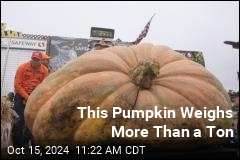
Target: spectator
[10,96]
[45,61]
[28,76]
[101,45]
[190,56]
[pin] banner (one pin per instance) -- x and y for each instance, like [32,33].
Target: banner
[63,49]
[17,43]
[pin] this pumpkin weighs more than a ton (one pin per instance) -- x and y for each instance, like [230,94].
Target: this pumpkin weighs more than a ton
[137,77]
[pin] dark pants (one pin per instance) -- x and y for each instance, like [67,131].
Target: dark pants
[21,134]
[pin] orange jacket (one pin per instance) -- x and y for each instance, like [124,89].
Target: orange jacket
[28,78]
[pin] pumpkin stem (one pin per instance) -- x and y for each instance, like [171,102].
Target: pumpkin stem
[144,72]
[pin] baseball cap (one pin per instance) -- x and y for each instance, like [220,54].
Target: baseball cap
[45,56]
[37,55]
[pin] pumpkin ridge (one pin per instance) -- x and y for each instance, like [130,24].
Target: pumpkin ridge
[84,74]
[134,104]
[196,77]
[176,60]
[121,96]
[98,104]
[131,61]
[194,105]
[189,101]
[135,54]
[171,54]
[100,57]
[185,96]
[126,76]
[97,72]
[188,75]
[81,76]
[53,110]
[61,90]
[116,54]
[206,83]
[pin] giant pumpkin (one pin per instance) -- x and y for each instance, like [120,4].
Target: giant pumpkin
[137,77]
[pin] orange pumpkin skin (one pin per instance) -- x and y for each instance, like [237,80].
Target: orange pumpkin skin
[112,77]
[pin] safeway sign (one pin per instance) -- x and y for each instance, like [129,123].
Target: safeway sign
[17,43]
[28,44]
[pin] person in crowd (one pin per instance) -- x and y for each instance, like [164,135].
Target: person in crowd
[28,76]
[45,61]
[101,45]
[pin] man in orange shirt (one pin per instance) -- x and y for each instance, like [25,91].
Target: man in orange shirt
[28,76]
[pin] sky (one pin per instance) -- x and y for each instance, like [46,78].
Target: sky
[197,26]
